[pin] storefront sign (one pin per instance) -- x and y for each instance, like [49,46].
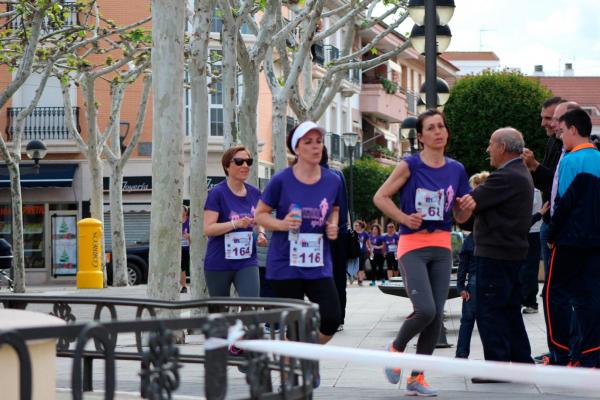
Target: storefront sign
[211,181]
[132,184]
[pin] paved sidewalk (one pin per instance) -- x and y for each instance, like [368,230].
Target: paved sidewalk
[372,318]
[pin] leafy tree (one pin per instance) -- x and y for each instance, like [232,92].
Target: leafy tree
[368,176]
[480,104]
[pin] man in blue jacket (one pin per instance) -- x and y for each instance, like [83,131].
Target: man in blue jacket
[574,275]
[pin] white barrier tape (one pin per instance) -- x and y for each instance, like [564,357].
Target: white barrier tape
[582,379]
[235,333]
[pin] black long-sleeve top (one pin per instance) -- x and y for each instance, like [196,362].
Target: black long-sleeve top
[544,173]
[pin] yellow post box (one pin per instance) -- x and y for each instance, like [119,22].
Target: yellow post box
[89,253]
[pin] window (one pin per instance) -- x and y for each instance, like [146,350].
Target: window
[215,102]
[216,121]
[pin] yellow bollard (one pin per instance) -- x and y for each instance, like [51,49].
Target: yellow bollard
[89,251]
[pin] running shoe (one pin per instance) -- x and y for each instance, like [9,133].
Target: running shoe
[416,386]
[393,375]
[183,290]
[372,283]
[540,359]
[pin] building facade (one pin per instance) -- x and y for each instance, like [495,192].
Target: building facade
[372,103]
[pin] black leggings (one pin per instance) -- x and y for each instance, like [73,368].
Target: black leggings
[320,291]
[377,271]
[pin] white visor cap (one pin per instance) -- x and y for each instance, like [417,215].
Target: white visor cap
[302,130]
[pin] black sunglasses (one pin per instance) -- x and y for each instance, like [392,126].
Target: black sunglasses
[240,161]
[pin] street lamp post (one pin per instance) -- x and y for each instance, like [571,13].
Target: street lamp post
[408,130]
[350,140]
[36,150]
[431,18]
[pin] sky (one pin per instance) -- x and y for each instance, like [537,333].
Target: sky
[524,33]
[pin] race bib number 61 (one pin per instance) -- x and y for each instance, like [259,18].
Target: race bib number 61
[430,204]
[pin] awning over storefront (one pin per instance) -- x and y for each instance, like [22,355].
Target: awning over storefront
[50,175]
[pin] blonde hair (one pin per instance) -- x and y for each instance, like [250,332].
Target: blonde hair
[478,179]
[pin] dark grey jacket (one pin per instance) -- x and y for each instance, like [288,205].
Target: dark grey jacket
[503,213]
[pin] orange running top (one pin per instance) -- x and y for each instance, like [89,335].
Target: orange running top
[419,240]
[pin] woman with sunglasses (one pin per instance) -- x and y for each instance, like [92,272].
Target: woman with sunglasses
[431,187]
[306,198]
[229,223]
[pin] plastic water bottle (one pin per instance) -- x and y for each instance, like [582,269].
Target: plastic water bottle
[296,213]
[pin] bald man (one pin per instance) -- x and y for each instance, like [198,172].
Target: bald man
[501,228]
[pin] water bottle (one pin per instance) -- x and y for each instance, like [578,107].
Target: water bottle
[296,213]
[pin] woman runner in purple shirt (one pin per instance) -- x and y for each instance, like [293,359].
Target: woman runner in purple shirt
[305,197]
[229,223]
[432,188]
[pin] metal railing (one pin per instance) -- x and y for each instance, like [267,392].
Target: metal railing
[331,53]
[68,17]
[155,345]
[318,52]
[43,123]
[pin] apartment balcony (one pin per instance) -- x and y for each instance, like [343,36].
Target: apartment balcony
[376,101]
[43,123]
[68,17]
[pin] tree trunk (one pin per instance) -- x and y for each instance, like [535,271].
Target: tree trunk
[168,17]
[17,227]
[117,226]
[279,138]
[248,117]
[229,84]
[199,137]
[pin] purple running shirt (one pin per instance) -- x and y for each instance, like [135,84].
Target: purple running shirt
[317,201]
[391,242]
[230,208]
[433,190]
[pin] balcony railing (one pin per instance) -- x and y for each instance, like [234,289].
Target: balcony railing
[44,123]
[68,17]
[331,53]
[318,53]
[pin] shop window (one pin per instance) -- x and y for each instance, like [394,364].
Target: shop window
[33,232]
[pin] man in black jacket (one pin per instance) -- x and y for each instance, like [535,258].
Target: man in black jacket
[543,172]
[502,221]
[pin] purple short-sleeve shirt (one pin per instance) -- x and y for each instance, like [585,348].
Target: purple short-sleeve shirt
[448,181]
[317,201]
[230,208]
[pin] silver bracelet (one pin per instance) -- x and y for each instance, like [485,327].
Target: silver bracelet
[233,224]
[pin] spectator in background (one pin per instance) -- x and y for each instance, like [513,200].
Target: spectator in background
[466,284]
[531,267]
[573,285]
[502,222]
[363,237]
[185,247]
[391,247]
[339,253]
[377,251]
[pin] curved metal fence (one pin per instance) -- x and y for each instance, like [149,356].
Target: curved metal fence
[97,325]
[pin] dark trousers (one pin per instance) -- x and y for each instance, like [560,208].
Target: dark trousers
[467,321]
[377,271]
[340,261]
[498,313]
[529,272]
[573,291]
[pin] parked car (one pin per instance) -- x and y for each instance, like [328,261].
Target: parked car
[137,263]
